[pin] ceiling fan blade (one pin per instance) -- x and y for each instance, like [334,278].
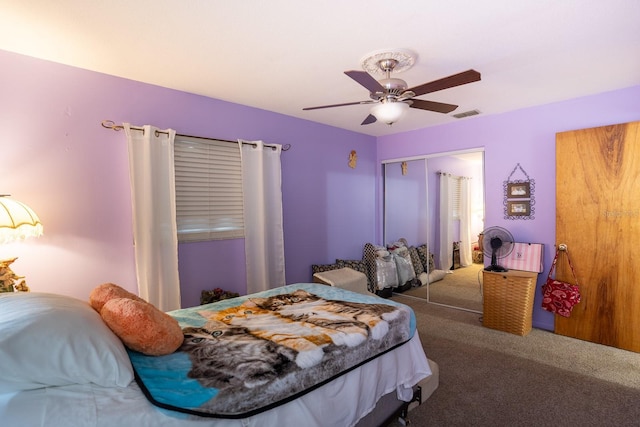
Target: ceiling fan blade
[370,119]
[366,80]
[459,79]
[339,105]
[438,107]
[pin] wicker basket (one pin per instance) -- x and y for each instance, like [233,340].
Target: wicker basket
[508,300]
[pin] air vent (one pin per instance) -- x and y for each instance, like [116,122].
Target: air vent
[466,114]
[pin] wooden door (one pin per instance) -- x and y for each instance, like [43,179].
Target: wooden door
[598,218]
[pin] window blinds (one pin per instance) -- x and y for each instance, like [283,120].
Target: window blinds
[208,189]
[456,198]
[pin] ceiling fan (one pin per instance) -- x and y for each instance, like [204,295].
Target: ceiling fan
[392,96]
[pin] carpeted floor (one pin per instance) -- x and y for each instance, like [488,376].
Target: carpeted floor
[493,378]
[459,288]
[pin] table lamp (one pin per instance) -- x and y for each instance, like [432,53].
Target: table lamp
[17,222]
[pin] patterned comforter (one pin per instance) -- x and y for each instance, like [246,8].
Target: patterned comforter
[245,355]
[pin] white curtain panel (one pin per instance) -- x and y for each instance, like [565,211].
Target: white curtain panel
[263,227]
[446,221]
[151,171]
[465,223]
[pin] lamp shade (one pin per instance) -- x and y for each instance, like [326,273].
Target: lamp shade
[17,221]
[389,112]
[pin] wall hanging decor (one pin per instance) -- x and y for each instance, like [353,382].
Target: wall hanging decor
[353,159]
[519,199]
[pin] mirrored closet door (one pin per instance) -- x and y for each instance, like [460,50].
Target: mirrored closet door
[437,201]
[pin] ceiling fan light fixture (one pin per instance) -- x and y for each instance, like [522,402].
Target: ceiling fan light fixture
[402,59]
[390,96]
[389,112]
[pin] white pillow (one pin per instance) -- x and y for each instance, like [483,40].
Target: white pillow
[424,278]
[52,340]
[436,275]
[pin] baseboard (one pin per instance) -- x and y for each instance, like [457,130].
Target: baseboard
[545,326]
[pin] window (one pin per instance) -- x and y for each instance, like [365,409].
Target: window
[208,189]
[455,196]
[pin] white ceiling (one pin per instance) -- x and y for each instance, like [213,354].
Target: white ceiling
[283,55]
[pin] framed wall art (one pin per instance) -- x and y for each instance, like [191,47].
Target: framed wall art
[519,190]
[519,208]
[519,199]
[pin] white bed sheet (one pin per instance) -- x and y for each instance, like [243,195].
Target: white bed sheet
[341,402]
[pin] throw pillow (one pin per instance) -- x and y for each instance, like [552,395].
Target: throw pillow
[142,327]
[426,258]
[436,275]
[357,265]
[103,293]
[415,260]
[321,268]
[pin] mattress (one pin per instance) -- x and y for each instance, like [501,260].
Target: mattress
[349,397]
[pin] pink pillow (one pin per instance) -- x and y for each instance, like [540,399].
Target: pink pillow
[141,326]
[103,293]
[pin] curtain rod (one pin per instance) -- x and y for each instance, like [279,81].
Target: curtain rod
[110,124]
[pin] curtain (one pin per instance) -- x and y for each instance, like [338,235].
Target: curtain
[263,227]
[465,223]
[447,183]
[151,169]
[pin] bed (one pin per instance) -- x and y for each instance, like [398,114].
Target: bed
[62,366]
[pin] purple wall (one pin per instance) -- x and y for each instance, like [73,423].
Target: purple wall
[527,137]
[74,174]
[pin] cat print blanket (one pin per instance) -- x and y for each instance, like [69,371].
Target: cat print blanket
[245,355]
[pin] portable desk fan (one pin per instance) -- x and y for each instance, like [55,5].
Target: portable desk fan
[497,244]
